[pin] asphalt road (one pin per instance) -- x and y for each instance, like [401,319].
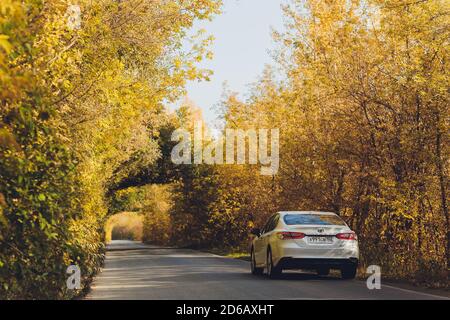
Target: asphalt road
[137,271]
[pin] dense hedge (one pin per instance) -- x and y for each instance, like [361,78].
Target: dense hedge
[39,207]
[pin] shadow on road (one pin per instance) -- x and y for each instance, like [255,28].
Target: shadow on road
[302,276]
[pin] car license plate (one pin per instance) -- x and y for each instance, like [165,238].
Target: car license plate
[320,240]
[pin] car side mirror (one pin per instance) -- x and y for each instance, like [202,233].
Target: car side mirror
[256,232]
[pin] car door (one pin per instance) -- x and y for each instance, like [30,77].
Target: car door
[269,232]
[259,245]
[263,240]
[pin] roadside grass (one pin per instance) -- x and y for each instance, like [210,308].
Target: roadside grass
[234,253]
[239,255]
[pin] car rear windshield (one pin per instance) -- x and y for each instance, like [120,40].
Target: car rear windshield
[293,219]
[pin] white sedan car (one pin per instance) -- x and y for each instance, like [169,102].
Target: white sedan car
[305,240]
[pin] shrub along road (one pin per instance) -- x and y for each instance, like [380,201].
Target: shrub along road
[136,271]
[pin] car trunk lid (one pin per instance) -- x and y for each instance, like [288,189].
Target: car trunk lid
[318,234]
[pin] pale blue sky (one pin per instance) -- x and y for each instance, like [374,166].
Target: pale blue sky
[241,50]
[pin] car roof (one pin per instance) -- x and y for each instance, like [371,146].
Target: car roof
[308,212]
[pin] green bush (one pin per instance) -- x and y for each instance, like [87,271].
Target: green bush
[38,204]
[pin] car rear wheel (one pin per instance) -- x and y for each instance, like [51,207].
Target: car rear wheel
[254,268]
[272,271]
[323,271]
[348,272]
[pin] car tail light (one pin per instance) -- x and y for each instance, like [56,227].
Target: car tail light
[290,235]
[347,236]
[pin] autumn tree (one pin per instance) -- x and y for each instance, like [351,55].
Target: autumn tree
[79,106]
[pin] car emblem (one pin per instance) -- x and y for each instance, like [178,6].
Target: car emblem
[320,230]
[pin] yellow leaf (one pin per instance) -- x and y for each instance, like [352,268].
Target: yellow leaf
[4,43]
